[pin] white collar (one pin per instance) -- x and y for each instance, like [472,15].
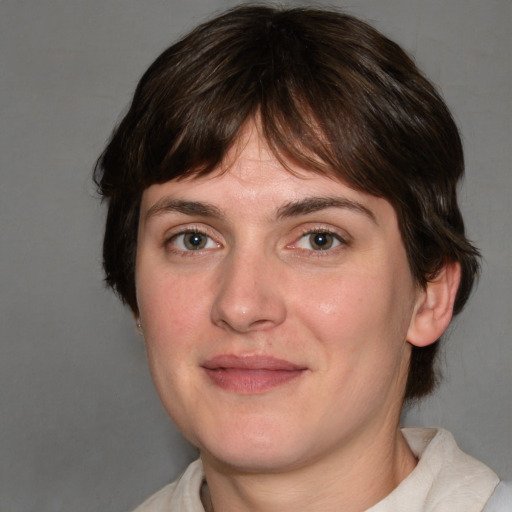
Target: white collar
[444,480]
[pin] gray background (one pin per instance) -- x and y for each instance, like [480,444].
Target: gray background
[81,428]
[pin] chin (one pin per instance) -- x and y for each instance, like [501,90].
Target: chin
[274,460]
[259,447]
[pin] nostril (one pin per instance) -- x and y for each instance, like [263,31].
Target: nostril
[246,298]
[248,315]
[260,324]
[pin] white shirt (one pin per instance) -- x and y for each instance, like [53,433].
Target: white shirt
[444,480]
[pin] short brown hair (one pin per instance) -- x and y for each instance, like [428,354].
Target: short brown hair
[332,94]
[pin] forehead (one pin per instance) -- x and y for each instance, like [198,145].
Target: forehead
[250,173]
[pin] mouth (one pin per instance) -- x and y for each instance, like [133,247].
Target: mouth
[250,374]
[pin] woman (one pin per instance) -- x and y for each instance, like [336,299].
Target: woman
[283,223]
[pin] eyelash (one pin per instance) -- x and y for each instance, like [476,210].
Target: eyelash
[319,253]
[169,242]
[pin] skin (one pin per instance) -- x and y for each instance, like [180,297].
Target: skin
[345,316]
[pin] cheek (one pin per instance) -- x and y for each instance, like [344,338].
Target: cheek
[358,308]
[174,315]
[173,310]
[361,325]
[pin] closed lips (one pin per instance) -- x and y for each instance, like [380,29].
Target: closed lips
[250,374]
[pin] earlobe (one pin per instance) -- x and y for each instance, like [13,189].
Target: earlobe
[434,306]
[138,324]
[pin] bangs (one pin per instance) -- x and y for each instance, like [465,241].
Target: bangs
[192,136]
[315,101]
[334,96]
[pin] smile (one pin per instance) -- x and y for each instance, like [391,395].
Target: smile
[250,374]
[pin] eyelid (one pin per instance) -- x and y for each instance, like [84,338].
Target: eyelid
[181,230]
[179,241]
[336,242]
[344,239]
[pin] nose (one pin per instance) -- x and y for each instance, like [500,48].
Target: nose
[249,296]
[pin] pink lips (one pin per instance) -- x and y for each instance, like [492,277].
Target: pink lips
[250,374]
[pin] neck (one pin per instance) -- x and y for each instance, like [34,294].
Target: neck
[351,480]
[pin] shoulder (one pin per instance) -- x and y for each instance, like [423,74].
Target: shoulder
[445,479]
[181,495]
[461,482]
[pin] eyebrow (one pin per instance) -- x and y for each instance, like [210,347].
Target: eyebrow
[315,204]
[291,209]
[199,209]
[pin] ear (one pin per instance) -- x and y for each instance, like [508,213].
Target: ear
[434,307]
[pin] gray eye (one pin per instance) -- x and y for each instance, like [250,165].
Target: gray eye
[321,241]
[195,241]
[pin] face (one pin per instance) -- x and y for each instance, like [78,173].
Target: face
[275,309]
